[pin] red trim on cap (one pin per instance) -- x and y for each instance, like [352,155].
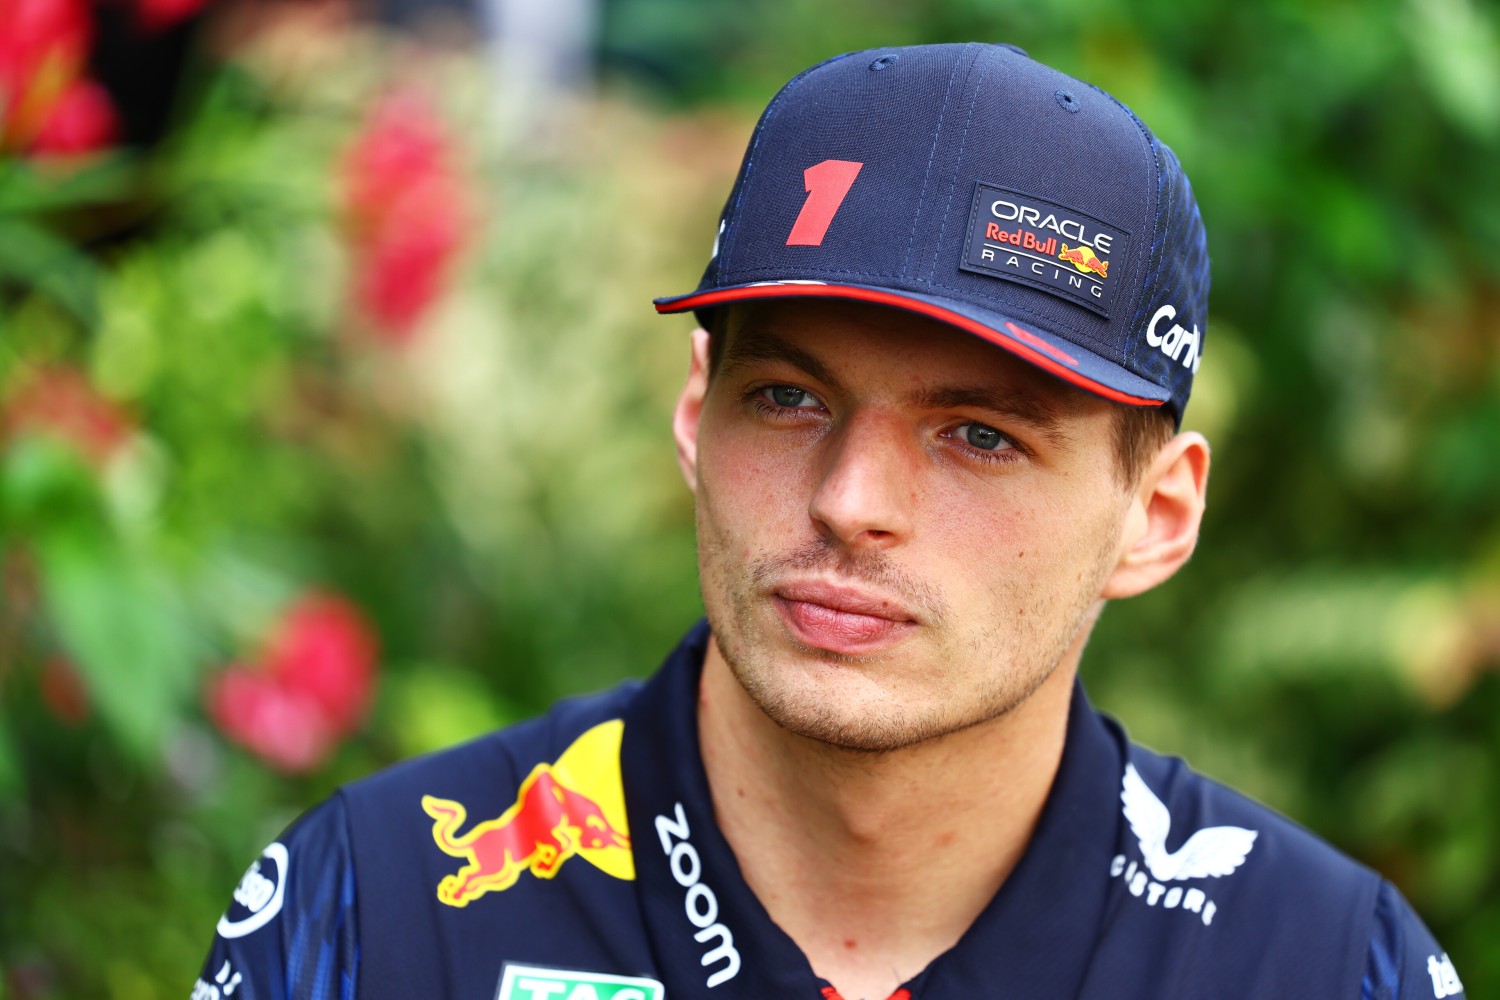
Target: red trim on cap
[1040,344]
[1026,345]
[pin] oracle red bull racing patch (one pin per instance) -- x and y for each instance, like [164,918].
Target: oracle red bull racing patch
[1038,243]
[573,807]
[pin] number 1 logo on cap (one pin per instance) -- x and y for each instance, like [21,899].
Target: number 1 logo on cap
[827,183]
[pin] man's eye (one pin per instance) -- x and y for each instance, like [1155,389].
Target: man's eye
[982,437]
[788,396]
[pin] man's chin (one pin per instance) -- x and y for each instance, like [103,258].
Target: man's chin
[834,700]
[863,732]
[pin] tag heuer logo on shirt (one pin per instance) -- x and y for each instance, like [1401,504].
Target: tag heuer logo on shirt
[529,982]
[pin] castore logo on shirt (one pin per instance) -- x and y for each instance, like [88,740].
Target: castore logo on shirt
[1212,852]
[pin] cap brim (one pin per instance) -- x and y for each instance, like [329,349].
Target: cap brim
[1048,352]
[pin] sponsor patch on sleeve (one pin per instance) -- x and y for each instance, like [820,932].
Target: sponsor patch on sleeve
[1038,243]
[258,897]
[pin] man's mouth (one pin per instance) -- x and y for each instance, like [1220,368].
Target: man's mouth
[839,619]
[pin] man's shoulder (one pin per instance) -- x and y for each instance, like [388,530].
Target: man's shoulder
[502,838]
[1204,813]
[1264,885]
[1190,826]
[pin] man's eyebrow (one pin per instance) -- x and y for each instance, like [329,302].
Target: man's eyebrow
[757,344]
[751,344]
[1030,408]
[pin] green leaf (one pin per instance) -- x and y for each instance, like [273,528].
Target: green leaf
[10,767]
[1459,59]
[25,190]
[432,706]
[43,480]
[32,256]
[124,627]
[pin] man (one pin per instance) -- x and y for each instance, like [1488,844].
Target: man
[953,316]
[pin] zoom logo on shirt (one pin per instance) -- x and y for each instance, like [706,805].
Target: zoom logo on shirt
[701,905]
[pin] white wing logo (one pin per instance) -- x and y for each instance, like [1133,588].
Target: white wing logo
[1211,852]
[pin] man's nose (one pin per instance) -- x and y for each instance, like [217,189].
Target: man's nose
[868,482]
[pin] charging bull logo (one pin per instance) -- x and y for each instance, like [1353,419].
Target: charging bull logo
[1085,260]
[573,807]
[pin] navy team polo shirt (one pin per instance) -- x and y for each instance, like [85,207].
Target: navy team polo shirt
[576,857]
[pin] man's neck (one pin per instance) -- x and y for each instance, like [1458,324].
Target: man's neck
[875,864]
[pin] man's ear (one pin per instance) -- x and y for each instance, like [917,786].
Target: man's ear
[690,409]
[1161,527]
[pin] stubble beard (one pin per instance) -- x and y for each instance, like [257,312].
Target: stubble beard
[746,634]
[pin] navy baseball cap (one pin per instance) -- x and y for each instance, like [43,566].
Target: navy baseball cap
[973,185]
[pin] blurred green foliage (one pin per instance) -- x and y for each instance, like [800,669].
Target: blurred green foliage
[497,490]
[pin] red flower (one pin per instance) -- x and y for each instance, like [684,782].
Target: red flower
[62,403]
[310,690]
[82,121]
[324,649]
[400,274]
[281,726]
[401,144]
[45,42]
[405,213]
[44,92]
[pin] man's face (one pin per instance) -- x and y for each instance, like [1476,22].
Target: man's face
[902,530]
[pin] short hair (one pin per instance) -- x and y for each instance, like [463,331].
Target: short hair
[1140,431]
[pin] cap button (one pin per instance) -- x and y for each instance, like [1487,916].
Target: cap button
[1014,48]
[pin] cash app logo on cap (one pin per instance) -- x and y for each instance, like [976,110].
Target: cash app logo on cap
[527,982]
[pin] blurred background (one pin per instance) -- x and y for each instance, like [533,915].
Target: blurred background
[333,412]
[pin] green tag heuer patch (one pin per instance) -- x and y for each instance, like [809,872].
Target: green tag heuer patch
[529,982]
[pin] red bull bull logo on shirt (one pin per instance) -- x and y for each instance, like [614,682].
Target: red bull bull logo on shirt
[573,807]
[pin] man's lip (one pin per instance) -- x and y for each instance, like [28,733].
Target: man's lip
[848,600]
[841,620]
